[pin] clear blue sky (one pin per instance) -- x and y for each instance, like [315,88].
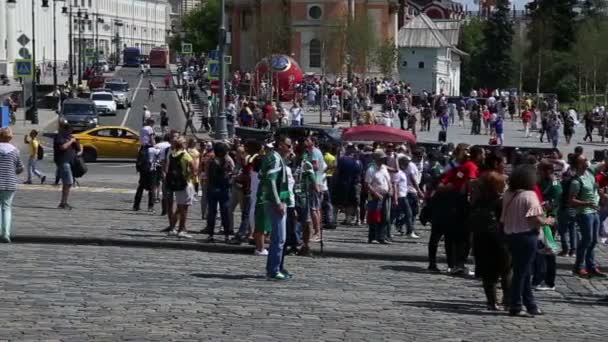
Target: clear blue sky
[471,3]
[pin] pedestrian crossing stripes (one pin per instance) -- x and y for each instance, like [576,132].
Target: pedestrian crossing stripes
[32,187]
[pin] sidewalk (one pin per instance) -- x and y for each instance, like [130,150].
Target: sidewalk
[46,117]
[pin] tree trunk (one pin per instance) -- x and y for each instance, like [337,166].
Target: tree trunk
[538,77]
[594,79]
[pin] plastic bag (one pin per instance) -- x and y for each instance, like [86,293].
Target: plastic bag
[546,237]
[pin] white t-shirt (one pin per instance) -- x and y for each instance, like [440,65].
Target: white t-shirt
[296,114]
[145,136]
[290,184]
[378,179]
[400,178]
[412,171]
[147,115]
[162,149]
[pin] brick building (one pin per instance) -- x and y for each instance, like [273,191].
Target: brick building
[298,27]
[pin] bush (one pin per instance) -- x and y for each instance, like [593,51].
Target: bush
[566,88]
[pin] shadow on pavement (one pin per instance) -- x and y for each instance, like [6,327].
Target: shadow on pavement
[457,307]
[409,269]
[227,276]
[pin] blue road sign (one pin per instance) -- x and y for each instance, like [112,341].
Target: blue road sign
[5,119]
[214,55]
[23,68]
[214,70]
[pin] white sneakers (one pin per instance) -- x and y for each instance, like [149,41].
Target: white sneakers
[263,252]
[413,236]
[184,235]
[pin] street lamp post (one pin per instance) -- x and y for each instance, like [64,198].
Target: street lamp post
[34,108]
[45,6]
[98,21]
[118,24]
[221,131]
[68,10]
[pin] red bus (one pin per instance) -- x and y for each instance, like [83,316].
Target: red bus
[159,57]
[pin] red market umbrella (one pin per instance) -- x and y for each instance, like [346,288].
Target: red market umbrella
[378,133]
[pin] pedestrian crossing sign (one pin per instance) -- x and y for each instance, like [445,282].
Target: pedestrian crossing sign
[23,68]
[214,70]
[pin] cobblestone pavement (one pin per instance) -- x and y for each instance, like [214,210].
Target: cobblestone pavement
[77,293]
[54,291]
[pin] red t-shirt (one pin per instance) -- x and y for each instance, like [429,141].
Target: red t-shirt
[459,176]
[601,180]
[526,116]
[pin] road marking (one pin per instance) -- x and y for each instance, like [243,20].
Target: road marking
[77,189]
[116,166]
[124,120]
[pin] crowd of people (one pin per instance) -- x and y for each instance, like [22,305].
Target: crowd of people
[504,210]
[505,214]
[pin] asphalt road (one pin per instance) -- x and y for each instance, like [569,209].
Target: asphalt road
[119,173]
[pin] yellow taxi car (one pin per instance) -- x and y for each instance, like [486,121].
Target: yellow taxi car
[108,142]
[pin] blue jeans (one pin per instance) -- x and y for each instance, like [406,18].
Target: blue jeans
[402,215]
[6,202]
[523,248]
[31,169]
[379,231]
[274,263]
[221,197]
[589,226]
[327,209]
[412,199]
[567,232]
[544,269]
[603,215]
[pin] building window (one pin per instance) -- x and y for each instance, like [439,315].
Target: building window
[90,3]
[314,54]
[404,64]
[246,19]
[420,65]
[315,12]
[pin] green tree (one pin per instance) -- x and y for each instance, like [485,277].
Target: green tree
[361,42]
[471,41]
[386,57]
[551,37]
[202,26]
[496,59]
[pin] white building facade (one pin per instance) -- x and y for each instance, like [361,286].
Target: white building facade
[136,23]
[428,57]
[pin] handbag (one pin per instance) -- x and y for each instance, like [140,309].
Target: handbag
[79,167]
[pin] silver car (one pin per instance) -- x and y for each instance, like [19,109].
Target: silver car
[120,90]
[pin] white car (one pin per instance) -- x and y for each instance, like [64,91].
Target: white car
[104,102]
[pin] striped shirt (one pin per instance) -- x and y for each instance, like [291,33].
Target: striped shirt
[10,165]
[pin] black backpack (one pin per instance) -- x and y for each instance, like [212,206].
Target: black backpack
[176,175]
[218,178]
[79,167]
[142,164]
[40,153]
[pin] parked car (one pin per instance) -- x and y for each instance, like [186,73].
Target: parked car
[105,103]
[108,142]
[121,91]
[95,82]
[81,114]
